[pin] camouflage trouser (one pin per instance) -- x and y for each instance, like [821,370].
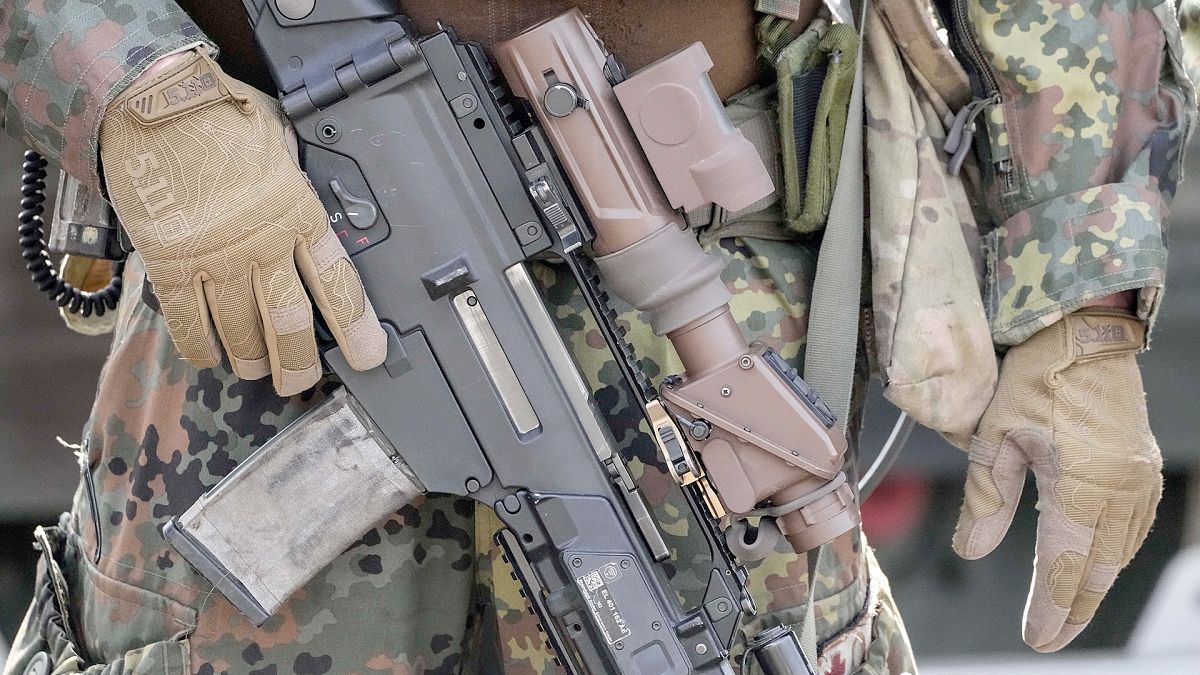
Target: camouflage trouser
[420,592]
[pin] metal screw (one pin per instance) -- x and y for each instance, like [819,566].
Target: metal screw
[328,131]
[794,453]
[656,626]
[472,484]
[620,646]
[726,391]
[746,429]
[746,363]
[702,649]
[576,562]
[462,77]
[472,300]
[624,564]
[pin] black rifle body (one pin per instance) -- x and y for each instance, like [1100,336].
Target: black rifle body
[426,171]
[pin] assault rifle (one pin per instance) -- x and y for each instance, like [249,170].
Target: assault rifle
[443,183]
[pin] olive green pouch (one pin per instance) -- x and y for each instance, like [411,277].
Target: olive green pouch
[814,75]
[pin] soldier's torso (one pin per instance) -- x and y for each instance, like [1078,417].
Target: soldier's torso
[418,592]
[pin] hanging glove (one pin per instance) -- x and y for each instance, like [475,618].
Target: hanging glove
[198,169]
[1069,406]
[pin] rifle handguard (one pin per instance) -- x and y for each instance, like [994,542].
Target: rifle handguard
[624,142]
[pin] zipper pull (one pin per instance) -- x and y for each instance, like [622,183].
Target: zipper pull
[954,164]
[955,125]
[1008,181]
[961,132]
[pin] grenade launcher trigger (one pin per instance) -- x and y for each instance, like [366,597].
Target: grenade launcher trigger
[443,181]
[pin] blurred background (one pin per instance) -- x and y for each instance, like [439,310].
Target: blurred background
[962,617]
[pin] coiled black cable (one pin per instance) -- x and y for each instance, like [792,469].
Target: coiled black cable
[37,256]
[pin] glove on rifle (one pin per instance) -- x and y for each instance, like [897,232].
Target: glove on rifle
[1070,406]
[198,169]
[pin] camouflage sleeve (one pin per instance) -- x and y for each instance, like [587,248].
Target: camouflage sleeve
[1082,110]
[62,61]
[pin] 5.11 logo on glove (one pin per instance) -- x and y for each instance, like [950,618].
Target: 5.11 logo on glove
[1107,333]
[157,197]
[190,88]
[177,92]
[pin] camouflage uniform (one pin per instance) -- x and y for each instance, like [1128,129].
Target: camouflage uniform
[421,591]
[417,592]
[1086,107]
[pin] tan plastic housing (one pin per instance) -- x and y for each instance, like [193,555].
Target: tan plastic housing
[767,445]
[697,153]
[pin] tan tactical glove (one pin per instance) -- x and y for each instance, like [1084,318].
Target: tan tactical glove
[198,168]
[1069,406]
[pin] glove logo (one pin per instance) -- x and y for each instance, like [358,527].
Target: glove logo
[157,197]
[1104,334]
[190,88]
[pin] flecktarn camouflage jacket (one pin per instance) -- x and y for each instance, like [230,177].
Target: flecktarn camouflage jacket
[1082,112]
[1084,134]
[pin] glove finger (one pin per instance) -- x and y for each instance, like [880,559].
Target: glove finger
[995,478]
[188,321]
[287,327]
[338,292]
[235,315]
[1143,519]
[1064,572]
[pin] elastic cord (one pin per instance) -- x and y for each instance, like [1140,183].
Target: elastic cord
[37,256]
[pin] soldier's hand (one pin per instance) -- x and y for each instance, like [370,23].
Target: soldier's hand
[198,169]
[1069,406]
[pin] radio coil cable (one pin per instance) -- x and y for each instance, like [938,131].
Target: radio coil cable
[37,255]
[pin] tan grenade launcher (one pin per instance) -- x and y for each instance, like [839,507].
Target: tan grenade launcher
[637,149]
